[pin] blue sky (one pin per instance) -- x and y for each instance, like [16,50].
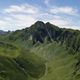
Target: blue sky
[18,14]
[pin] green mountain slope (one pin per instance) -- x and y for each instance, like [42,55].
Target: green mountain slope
[18,64]
[60,64]
[40,52]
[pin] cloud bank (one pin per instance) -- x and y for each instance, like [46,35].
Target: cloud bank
[20,16]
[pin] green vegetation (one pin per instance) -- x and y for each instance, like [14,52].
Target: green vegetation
[60,64]
[40,52]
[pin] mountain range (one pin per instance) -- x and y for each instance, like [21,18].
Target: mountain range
[2,32]
[42,51]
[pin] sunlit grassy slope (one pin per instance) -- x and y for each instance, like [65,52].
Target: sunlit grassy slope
[60,63]
[47,61]
[18,64]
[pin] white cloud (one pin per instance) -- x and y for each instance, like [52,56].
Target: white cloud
[59,22]
[63,10]
[64,22]
[21,16]
[3,23]
[77,27]
[7,18]
[46,2]
[56,17]
[21,9]
[17,22]
[23,20]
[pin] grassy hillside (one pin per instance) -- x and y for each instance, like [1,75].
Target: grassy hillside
[40,52]
[60,64]
[8,49]
[19,64]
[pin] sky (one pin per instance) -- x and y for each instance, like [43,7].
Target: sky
[18,14]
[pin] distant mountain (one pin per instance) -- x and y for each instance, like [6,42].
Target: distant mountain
[39,32]
[3,32]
